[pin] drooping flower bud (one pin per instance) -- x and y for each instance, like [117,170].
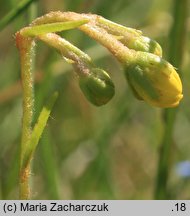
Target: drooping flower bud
[155,81]
[97,86]
[144,44]
[130,37]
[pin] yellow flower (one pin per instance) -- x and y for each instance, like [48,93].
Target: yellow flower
[155,81]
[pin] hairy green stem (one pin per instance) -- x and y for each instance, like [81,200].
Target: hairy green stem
[114,28]
[124,49]
[65,48]
[25,46]
[121,41]
[81,61]
[119,50]
[177,43]
[31,138]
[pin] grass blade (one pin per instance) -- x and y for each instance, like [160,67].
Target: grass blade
[51,27]
[38,129]
[14,13]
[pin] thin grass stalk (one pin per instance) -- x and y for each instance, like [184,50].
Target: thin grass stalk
[176,51]
[16,11]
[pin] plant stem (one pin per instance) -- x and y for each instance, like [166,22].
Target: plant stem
[80,60]
[31,138]
[177,44]
[25,46]
[65,48]
[120,51]
[102,33]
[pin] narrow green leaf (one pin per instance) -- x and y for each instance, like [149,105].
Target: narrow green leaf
[14,13]
[38,129]
[51,27]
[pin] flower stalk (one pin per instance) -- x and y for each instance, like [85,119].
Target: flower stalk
[94,82]
[25,46]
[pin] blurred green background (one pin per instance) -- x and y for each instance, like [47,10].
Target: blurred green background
[88,152]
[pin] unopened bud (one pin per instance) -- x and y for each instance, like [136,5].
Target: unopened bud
[155,81]
[130,37]
[145,44]
[97,86]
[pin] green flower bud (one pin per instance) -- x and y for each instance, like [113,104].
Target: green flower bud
[155,81]
[97,86]
[130,37]
[145,44]
[141,43]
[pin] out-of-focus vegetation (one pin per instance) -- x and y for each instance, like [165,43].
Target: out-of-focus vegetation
[88,152]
